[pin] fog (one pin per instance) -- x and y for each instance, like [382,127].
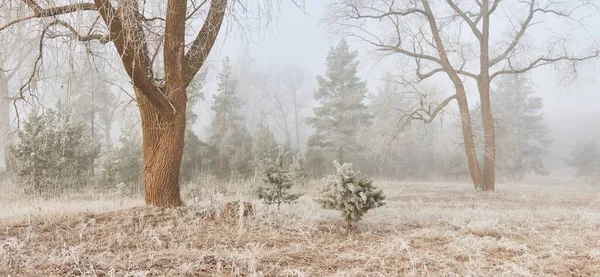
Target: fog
[286,51]
[303,38]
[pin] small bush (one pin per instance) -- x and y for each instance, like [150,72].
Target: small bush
[349,192]
[277,183]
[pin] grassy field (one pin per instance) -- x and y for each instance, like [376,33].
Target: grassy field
[426,229]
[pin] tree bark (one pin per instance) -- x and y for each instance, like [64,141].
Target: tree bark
[467,132]
[163,137]
[489,154]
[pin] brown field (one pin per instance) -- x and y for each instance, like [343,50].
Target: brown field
[426,229]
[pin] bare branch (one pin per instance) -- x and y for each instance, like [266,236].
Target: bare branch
[196,55]
[517,38]
[174,46]
[196,9]
[544,61]
[466,18]
[494,6]
[133,50]
[102,38]
[429,113]
[38,12]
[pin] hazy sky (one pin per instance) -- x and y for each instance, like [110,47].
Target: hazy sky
[301,39]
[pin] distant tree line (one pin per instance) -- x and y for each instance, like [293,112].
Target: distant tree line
[62,147]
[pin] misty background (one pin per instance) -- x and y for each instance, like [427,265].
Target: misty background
[303,38]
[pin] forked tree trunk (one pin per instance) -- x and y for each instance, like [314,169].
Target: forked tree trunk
[163,141]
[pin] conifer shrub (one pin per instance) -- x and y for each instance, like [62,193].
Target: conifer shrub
[277,183]
[53,153]
[349,192]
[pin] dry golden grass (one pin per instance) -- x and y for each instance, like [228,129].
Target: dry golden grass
[426,229]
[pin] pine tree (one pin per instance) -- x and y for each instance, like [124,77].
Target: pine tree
[342,112]
[264,146]
[278,182]
[585,158]
[53,153]
[297,170]
[229,135]
[196,152]
[521,136]
[349,192]
[123,164]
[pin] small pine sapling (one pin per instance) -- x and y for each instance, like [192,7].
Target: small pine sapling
[277,183]
[297,170]
[349,192]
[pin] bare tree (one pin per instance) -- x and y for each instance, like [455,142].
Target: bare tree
[10,73]
[456,38]
[139,37]
[287,94]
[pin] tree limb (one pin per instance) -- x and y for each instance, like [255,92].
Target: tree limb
[102,38]
[427,115]
[468,20]
[543,61]
[517,38]
[131,45]
[200,48]
[39,12]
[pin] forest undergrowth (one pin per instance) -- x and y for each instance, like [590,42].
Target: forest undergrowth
[425,229]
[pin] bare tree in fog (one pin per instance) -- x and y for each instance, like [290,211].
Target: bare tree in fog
[9,74]
[521,135]
[288,96]
[140,32]
[455,38]
[139,37]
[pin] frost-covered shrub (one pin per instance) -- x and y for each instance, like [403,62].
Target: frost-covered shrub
[277,183]
[349,192]
[53,153]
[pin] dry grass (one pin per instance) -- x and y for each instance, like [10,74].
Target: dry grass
[426,229]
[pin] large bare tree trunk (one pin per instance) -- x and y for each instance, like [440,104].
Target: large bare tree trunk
[163,137]
[467,132]
[483,82]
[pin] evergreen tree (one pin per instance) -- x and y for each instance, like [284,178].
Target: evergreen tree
[93,103]
[123,164]
[264,146]
[585,158]
[229,135]
[521,136]
[277,181]
[196,152]
[297,171]
[342,112]
[350,192]
[53,153]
